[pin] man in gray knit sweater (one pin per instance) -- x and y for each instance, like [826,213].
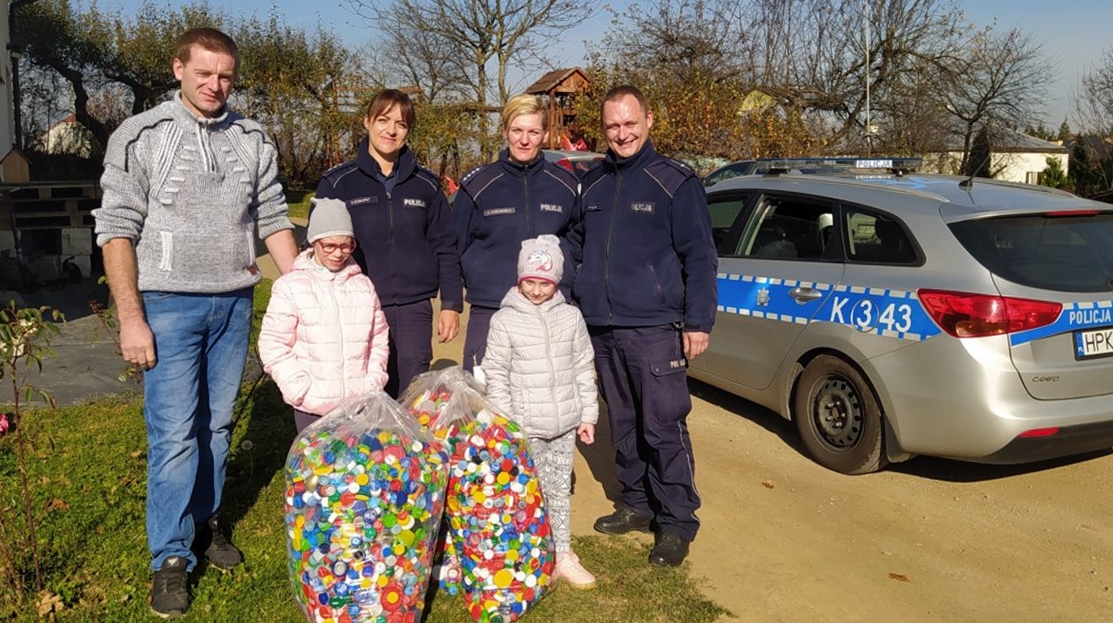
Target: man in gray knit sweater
[187,187]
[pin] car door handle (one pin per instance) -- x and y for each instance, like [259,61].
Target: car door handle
[805,295]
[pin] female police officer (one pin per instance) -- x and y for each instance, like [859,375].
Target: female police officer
[519,196]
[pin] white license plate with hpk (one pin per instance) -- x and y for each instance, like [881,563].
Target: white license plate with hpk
[1093,343]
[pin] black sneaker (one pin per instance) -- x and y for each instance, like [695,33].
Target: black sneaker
[219,551]
[170,588]
[623,520]
[671,550]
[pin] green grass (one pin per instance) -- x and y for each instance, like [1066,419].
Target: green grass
[298,201]
[89,468]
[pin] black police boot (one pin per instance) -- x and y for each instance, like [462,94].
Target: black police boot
[671,550]
[219,551]
[170,588]
[623,520]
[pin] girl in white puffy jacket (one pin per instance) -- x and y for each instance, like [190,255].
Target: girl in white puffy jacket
[540,370]
[324,337]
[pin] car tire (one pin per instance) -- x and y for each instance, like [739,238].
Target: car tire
[838,417]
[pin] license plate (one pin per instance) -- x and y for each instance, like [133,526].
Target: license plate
[1093,343]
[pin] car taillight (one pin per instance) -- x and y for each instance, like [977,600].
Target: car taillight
[962,314]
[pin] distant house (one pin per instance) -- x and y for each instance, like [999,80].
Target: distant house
[1014,156]
[560,88]
[68,137]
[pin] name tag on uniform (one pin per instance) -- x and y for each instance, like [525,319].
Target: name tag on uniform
[644,207]
[361,200]
[592,208]
[499,211]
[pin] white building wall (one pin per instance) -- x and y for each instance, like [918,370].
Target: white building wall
[1024,167]
[1007,167]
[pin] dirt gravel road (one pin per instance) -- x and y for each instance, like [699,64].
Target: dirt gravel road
[783,539]
[929,540]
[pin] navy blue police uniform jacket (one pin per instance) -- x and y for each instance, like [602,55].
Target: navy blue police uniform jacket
[499,205]
[407,244]
[645,244]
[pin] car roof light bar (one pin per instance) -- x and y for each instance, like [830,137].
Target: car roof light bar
[779,166]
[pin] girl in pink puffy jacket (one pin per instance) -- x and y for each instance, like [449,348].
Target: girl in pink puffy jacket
[324,337]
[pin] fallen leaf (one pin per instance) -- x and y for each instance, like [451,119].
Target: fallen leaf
[49,602]
[136,454]
[899,577]
[768,484]
[57,505]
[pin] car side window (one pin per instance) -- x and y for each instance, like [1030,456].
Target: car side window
[724,215]
[876,238]
[789,228]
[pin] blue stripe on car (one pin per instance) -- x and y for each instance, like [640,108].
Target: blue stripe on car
[890,313]
[1075,316]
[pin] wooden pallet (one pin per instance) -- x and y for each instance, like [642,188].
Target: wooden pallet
[49,205]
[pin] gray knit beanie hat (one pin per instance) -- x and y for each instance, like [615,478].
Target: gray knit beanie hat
[541,258]
[329,217]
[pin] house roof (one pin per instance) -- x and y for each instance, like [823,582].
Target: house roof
[1006,140]
[552,79]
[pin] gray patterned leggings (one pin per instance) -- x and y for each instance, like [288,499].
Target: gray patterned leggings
[553,458]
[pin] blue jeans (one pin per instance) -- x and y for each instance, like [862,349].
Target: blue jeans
[201,348]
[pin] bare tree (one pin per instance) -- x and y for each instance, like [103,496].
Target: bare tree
[1093,101]
[1000,85]
[809,57]
[424,60]
[94,51]
[105,66]
[816,60]
[683,37]
[690,58]
[1092,160]
[477,33]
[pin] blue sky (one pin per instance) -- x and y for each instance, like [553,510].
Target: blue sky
[1074,33]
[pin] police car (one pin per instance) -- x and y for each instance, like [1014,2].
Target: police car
[894,314]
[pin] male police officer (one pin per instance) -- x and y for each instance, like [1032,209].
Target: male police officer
[647,290]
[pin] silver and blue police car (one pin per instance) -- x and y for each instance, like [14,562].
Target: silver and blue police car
[894,314]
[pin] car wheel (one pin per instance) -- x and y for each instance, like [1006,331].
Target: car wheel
[838,417]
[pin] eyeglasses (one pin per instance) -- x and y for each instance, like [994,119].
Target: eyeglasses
[328,248]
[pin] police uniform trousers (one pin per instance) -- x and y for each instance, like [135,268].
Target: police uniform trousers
[475,340]
[411,343]
[643,376]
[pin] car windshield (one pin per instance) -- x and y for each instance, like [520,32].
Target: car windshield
[1060,251]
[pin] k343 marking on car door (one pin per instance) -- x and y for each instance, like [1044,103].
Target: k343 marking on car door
[880,311]
[892,313]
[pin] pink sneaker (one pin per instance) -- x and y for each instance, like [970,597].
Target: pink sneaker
[569,570]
